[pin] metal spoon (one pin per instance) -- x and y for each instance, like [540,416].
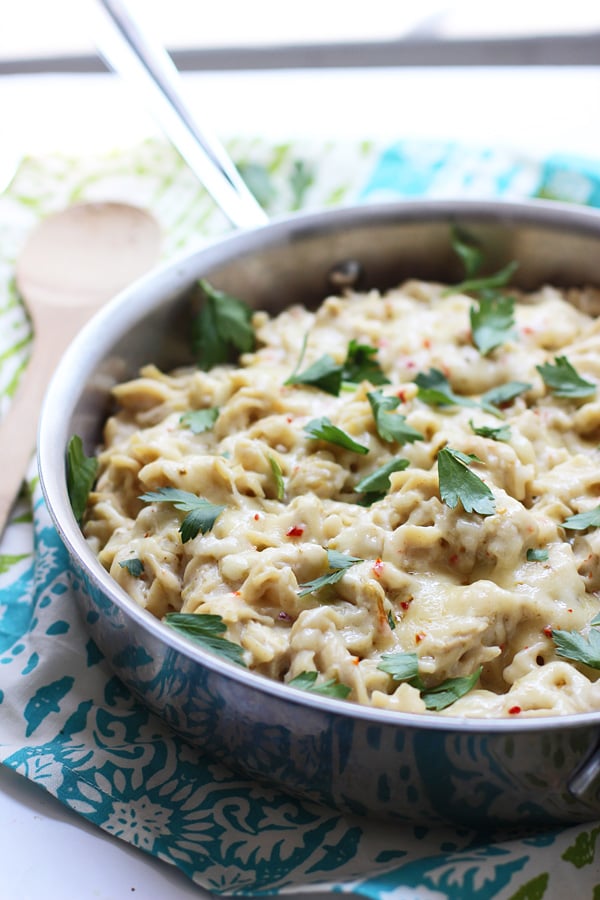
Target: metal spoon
[71,264]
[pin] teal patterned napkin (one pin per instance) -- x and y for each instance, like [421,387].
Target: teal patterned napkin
[68,724]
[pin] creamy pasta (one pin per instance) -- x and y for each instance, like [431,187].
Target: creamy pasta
[474,600]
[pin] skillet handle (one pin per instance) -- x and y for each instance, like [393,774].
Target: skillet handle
[145,64]
[584,783]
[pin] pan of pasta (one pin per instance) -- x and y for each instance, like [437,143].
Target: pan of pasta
[331,492]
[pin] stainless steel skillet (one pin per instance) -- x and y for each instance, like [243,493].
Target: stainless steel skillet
[408,768]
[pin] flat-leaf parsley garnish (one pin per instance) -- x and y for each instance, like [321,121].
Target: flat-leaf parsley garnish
[278,476]
[584,520]
[207,630]
[328,375]
[485,284]
[391,426]
[338,564]
[537,554]
[324,430]
[307,681]
[200,420]
[459,483]
[134,566]
[404,666]
[435,390]
[401,666]
[361,365]
[563,379]
[578,647]
[222,329]
[468,249]
[201,514]
[324,374]
[376,485]
[492,322]
[81,474]
[501,433]
[499,396]
[446,693]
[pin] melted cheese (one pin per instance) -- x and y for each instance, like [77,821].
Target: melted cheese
[452,587]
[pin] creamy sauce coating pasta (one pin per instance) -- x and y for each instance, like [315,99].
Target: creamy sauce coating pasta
[455,588]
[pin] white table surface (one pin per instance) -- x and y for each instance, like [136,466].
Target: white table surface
[535,111]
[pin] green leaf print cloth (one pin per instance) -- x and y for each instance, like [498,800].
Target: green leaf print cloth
[69,725]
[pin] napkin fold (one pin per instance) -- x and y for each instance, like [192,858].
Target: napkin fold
[66,721]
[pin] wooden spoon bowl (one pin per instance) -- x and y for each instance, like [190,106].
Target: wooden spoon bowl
[71,264]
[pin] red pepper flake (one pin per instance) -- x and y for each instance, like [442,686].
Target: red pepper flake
[548,631]
[426,343]
[514,711]
[289,419]
[237,593]
[402,395]
[527,329]
[256,517]
[355,660]
[419,636]
[405,603]
[453,559]
[295,531]
[378,566]
[569,610]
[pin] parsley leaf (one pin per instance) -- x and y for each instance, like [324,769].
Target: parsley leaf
[327,375]
[581,521]
[444,694]
[199,420]
[498,396]
[405,667]
[278,476]
[222,328]
[563,380]
[306,681]
[301,178]
[537,554]
[338,563]
[134,566]
[323,429]
[486,284]
[81,474]
[435,390]
[458,483]
[575,646]
[206,630]
[324,374]
[377,484]
[201,515]
[391,426]
[469,251]
[360,365]
[492,322]
[401,666]
[502,433]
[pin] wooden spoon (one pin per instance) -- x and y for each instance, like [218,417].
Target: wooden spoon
[71,264]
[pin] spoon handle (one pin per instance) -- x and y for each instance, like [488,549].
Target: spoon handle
[18,427]
[145,64]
